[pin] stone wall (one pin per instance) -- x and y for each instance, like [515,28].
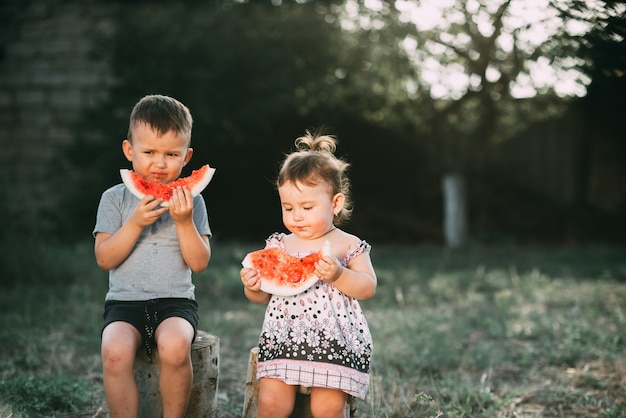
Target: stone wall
[48,75]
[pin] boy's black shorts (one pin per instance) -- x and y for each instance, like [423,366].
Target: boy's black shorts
[146,315]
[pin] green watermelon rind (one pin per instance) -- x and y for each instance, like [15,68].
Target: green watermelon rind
[129,177]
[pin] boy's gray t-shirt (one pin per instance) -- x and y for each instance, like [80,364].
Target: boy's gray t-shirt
[155,268]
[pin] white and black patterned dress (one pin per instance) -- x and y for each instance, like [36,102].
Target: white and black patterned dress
[317,338]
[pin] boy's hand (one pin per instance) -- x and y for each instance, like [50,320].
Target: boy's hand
[148,211]
[181,204]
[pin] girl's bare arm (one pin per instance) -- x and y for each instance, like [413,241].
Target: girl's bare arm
[358,280]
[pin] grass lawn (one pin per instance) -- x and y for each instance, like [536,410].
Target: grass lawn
[480,332]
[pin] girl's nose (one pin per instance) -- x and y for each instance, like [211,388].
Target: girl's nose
[297,214]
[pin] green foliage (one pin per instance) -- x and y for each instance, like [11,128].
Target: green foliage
[423,405]
[32,259]
[46,395]
[617,412]
[254,76]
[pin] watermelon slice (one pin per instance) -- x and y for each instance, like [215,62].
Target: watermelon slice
[283,274]
[140,187]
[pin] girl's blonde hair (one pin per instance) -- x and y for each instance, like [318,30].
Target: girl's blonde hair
[313,162]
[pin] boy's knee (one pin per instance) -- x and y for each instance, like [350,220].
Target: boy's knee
[117,356]
[119,345]
[175,351]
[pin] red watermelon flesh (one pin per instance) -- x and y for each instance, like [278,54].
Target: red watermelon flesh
[282,267]
[283,274]
[140,187]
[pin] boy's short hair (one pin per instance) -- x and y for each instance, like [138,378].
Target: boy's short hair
[163,114]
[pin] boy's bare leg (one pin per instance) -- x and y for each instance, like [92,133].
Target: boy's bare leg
[276,399]
[120,341]
[174,336]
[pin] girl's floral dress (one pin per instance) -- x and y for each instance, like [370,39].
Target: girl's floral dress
[317,338]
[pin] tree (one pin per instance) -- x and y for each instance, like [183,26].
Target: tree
[492,68]
[450,77]
[254,75]
[603,50]
[468,75]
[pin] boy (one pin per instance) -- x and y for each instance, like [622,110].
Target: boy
[150,252]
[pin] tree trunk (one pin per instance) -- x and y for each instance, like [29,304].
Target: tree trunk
[455,210]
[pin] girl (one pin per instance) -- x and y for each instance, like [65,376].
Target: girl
[318,340]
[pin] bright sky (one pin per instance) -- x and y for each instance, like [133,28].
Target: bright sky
[533,20]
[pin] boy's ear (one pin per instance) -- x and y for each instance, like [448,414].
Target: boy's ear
[188,155]
[338,201]
[127,149]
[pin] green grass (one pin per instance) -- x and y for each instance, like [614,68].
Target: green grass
[482,332]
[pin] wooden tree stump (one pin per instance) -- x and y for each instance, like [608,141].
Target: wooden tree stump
[250,400]
[302,407]
[203,400]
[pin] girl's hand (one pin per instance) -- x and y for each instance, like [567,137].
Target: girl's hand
[148,211]
[251,279]
[181,204]
[328,269]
